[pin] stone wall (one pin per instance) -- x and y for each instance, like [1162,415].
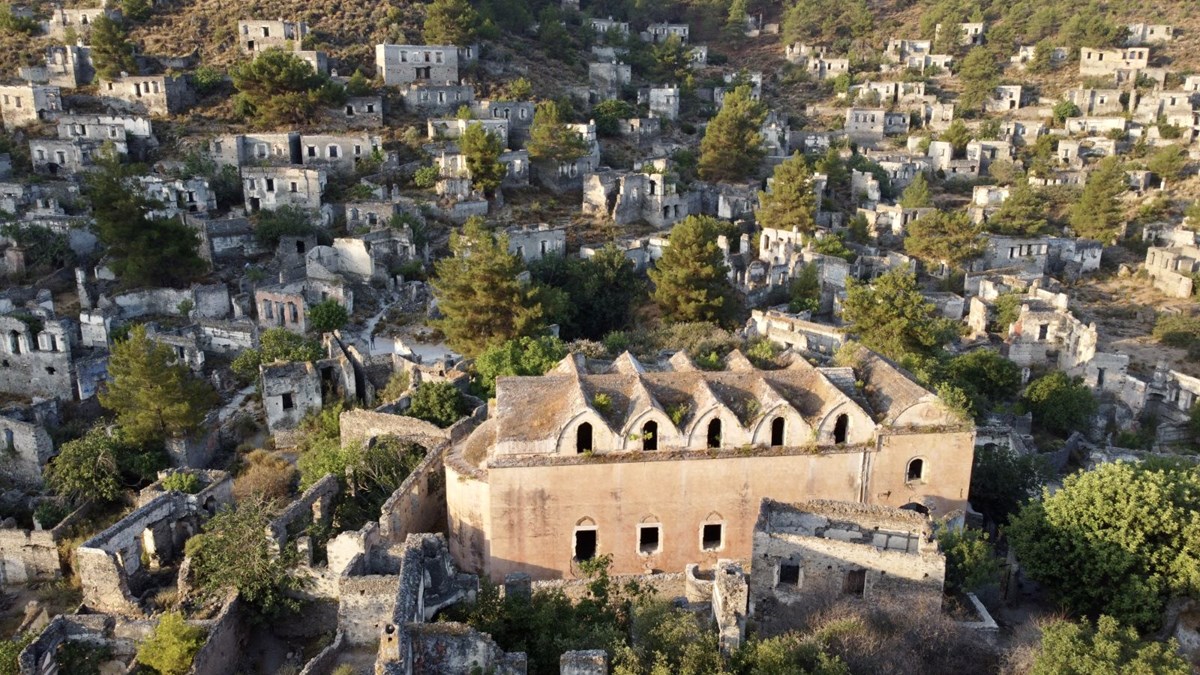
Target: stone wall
[222,648]
[315,504]
[811,552]
[365,607]
[457,648]
[419,504]
[28,555]
[24,448]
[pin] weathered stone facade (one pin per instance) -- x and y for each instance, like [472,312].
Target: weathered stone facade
[819,550]
[535,495]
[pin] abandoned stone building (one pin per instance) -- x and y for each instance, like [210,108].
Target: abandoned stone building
[114,566]
[157,95]
[453,128]
[22,105]
[815,551]
[659,32]
[270,187]
[361,112]
[535,495]
[25,440]
[871,125]
[796,333]
[1123,64]
[257,36]
[534,242]
[432,98]
[663,102]
[1149,33]
[628,197]
[77,19]
[405,64]
[285,305]
[36,356]
[178,196]
[969,33]
[67,66]
[1171,268]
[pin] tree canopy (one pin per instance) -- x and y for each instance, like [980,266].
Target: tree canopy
[153,395]
[690,279]
[235,551]
[791,203]
[522,356]
[601,292]
[732,149]
[944,237]
[916,195]
[112,51]
[980,76]
[482,151]
[1002,480]
[1120,540]
[439,403]
[892,317]
[1098,214]
[1023,214]
[86,468]
[280,88]
[481,300]
[451,22]
[144,251]
[327,316]
[1079,649]
[172,646]
[551,139]
[1061,404]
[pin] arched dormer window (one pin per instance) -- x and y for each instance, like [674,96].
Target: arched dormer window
[777,429]
[650,435]
[840,428]
[583,438]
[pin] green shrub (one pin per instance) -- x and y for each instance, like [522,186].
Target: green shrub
[439,403]
[50,513]
[426,177]
[172,646]
[182,481]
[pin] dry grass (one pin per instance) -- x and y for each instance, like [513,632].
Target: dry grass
[264,476]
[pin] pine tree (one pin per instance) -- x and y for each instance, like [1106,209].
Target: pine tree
[1098,214]
[1021,215]
[791,203]
[112,52]
[550,139]
[942,236]
[891,316]
[479,295]
[690,279]
[482,150]
[279,87]
[980,76]
[957,135]
[732,146]
[916,195]
[1168,163]
[451,22]
[153,395]
[144,251]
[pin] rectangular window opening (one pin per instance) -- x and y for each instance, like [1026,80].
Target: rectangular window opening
[711,536]
[288,404]
[585,544]
[649,539]
[856,582]
[789,575]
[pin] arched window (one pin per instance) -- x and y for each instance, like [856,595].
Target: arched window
[777,432]
[650,435]
[583,437]
[916,471]
[840,427]
[14,342]
[714,433]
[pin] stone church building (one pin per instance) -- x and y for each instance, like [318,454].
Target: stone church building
[661,466]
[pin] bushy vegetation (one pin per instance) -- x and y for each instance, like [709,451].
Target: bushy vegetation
[439,403]
[172,645]
[279,88]
[1118,540]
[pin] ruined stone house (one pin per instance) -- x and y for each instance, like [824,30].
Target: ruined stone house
[1123,64]
[670,441]
[270,187]
[815,551]
[406,64]
[67,66]
[156,95]
[255,37]
[22,105]
[628,197]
